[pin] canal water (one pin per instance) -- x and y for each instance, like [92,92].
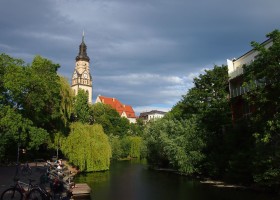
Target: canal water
[131,180]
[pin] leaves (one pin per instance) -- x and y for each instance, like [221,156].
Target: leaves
[87,147]
[173,143]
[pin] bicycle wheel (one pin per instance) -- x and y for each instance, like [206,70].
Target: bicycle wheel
[35,194]
[11,193]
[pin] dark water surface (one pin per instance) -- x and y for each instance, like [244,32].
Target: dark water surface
[130,180]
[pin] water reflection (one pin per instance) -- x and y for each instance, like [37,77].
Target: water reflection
[128,180]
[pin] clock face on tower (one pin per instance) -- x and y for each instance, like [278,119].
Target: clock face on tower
[75,75]
[85,75]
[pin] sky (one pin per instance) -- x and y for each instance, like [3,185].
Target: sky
[145,53]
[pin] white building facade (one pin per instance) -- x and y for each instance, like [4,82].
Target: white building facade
[151,115]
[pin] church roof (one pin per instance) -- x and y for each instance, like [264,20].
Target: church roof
[118,106]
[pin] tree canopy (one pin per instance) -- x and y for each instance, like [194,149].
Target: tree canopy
[30,103]
[263,78]
[87,147]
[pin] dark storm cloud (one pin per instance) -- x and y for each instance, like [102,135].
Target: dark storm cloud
[144,53]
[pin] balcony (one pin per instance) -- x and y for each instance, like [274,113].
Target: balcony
[238,91]
[235,73]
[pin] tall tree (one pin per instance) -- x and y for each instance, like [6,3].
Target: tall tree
[87,147]
[34,91]
[263,78]
[110,119]
[81,110]
[28,101]
[175,144]
[208,101]
[66,103]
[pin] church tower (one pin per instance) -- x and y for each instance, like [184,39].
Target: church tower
[81,78]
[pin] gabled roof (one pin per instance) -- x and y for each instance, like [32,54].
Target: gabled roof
[118,106]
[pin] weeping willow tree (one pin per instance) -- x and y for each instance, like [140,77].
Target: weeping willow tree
[132,146]
[67,99]
[87,147]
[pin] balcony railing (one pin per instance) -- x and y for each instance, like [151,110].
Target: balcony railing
[235,73]
[242,90]
[238,91]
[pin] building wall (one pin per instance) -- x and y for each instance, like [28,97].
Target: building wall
[239,107]
[155,116]
[235,66]
[152,115]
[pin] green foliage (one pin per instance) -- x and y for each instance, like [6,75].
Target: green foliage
[29,102]
[16,130]
[132,146]
[208,102]
[116,146]
[135,146]
[208,99]
[263,78]
[239,153]
[176,144]
[5,62]
[35,103]
[34,91]
[87,147]
[127,147]
[137,128]
[66,103]
[81,110]
[110,119]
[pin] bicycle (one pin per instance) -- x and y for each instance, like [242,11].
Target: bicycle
[38,193]
[17,191]
[57,192]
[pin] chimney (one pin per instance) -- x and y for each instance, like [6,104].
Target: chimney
[102,100]
[113,99]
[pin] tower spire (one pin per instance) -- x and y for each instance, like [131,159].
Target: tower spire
[83,50]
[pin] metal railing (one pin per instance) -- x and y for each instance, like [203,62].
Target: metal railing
[238,91]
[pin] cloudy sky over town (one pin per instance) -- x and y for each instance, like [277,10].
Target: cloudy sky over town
[143,52]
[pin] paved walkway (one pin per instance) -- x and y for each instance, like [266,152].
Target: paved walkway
[7,175]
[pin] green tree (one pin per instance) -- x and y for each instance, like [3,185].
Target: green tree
[176,144]
[132,147]
[29,101]
[110,119]
[81,110]
[263,78]
[66,103]
[137,129]
[116,146]
[34,91]
[208,101]
[87,147]
[16,130]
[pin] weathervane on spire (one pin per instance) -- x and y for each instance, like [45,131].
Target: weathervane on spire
[83,35]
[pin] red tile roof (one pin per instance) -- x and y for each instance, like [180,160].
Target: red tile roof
[118,106]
